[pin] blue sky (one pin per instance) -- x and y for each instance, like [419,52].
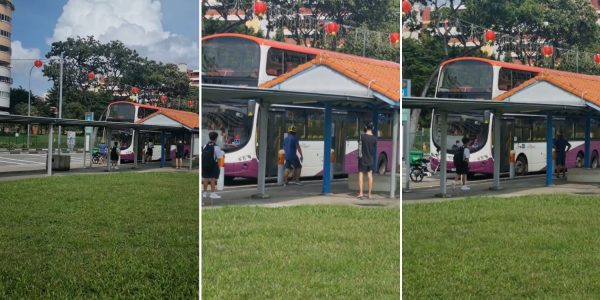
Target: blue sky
[164,30]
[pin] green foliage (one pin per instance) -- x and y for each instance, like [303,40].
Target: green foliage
[420,59]
[120,68]
[375,47]
[306,252]
[534,247]
[100,237]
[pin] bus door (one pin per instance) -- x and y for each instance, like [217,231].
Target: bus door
[507,129]
[339,142]
[276,129]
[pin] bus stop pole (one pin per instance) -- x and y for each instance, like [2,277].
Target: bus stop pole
[407,149]
[587,152]
[49,158]
[108,147]
[136,136]
[443,147]
[375,131]
[395,151]
[163,156]
[327,152]
[191,150]
[496,145]
[549,167]
[262,151]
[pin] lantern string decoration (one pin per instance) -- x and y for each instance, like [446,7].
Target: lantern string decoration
[490,37]
[135,90]
[597,59]
[190,103]
[38,63]
[394,38]
[332,28]
[163,99]
[91,76]
[547,51]
[406,7]
[260,8]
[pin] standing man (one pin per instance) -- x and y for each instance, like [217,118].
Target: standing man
[366,148]
[210,168]
[291,144]
[464,167]
[560,143]
[149,151]
[459,161]
[179,154]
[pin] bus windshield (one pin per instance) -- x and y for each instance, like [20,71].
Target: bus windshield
[232,123]
[466,79]
[230,60]
[121,112]
[474,127]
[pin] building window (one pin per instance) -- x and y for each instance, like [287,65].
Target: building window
[6,79]
[5,18]
[5,34]
[5,49]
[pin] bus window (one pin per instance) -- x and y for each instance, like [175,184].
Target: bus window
[275,61]
[509,79]
[230,60]
[595,129]
[294,59]
[296,117]
[232,123]
[384,128]
[466,79]
[121,112]
[459,126]
[316,125]
[538,130]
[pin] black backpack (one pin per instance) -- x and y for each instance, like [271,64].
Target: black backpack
[113,151]
[208,156]
[459,157]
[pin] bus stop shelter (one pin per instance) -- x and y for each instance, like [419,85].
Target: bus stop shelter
[52,122]
[329,82]
[565,95]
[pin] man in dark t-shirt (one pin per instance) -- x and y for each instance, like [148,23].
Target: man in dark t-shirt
[365,159]
[562,146]
[179,154]
[291,145]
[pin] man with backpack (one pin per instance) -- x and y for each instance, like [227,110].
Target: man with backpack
[461,163]
[114,155]
[210,167]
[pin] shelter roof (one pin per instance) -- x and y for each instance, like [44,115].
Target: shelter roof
[586,88]
[380,76]
[186,118]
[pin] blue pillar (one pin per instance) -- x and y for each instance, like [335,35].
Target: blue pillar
[549,167]
[375,126]
[327,151]
[587,153]
[163,157]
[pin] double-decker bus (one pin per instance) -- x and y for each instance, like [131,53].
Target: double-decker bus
[125,111]
[235,59]
[479,78]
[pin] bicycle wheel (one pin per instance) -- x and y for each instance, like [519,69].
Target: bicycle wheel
[416,175]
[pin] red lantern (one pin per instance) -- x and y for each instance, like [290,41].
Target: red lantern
[38,63]
[260,8]
[135,90]
[190,103]
[91,76]
[597,58]
[547,51]
[406,7]
[163,99]
[332,28]
[490,37]
[394,38]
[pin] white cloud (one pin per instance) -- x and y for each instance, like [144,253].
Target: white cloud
[137,23]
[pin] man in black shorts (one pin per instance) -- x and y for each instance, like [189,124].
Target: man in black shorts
[365,159]
[179,154]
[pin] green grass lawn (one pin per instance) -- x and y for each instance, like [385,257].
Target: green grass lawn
[527,247]
[100,236]
[305,252]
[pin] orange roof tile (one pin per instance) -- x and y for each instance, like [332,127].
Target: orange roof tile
[188,119]
[381,76]
[585,87]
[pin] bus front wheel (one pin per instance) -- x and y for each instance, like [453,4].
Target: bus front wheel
[382,165]
[579,160]
[521,166]
[594,160]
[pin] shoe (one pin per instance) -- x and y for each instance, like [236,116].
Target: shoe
[214,196]
[359,197]
[465,188]
[297,183]
[204,194]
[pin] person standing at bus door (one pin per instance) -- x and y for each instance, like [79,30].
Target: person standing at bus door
[458,161]
[367,144]
[179,154]
[149,151]
[114,155]
[562,146]
[210,168]
[291,145]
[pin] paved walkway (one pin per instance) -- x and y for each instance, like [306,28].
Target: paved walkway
[531,185]
[307,194]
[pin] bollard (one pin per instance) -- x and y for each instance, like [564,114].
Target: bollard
[511,162]
[280,167]
[331,161]
[221,180]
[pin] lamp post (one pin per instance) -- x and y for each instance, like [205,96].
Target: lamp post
[60,98]
[36,64]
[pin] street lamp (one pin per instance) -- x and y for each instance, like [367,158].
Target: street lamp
[37,64]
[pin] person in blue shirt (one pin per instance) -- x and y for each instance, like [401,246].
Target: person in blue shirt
[291,145]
